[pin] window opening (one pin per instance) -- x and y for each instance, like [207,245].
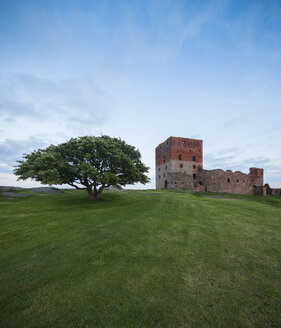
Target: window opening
[179,157]
[228,180]
[194,158]
[194,176]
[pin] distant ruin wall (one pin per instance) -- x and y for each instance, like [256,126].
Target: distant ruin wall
[272,191]
[228,181]
[212,180]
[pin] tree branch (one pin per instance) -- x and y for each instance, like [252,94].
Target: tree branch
[73,185]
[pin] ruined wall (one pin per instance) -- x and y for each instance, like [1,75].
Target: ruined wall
[272,191]
[163,163]
[185,150]
[182,180]
[229,182]
[179,166]
[177,155]
[276,191]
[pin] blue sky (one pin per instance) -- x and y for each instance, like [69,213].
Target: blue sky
[143,71]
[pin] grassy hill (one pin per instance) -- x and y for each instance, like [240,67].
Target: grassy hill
[140,259]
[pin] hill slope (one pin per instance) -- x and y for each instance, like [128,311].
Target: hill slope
[140,259]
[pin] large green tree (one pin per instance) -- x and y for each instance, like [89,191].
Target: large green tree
[87,163]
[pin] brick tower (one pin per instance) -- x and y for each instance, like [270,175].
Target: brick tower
[256,175]
[178,162]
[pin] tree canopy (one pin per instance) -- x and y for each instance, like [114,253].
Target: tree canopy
[87,163]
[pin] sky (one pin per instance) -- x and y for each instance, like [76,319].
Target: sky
[143,71]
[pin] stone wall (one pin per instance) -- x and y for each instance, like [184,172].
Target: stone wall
[179,166]
[229,182]
[272,191]
[177,155]
[276,191]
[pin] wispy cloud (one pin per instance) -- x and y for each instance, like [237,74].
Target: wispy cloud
[35,112]
[11,150]
[47,107]
[27,95]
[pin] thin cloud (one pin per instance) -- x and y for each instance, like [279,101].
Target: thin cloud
[27,95]
[50,108]
[12,150]
[36,112]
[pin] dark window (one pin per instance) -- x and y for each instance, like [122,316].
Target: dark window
[166,167]
[166,183]
[194,158]
[200,182]
[237,180]
[167,142]
[190,150]
[181,165]
[159,176]
[194,176]
[179,157]
[228,180]
[159,169]
[194,166]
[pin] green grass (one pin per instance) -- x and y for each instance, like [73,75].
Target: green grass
[140,259]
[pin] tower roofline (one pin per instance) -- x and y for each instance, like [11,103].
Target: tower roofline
[178,138]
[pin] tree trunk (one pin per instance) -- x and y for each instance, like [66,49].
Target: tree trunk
[91,194]
[94,195]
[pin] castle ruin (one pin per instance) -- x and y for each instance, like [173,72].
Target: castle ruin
[179,165]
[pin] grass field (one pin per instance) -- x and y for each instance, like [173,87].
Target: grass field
[140,259]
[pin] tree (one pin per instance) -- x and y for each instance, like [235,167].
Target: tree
[86,163]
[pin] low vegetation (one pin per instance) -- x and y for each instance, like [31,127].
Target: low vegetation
[140,259]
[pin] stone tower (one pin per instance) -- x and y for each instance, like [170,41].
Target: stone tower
[178,163]
[256,176]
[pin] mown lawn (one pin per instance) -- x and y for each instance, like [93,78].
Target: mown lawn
[140,259]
